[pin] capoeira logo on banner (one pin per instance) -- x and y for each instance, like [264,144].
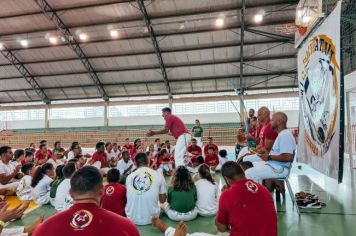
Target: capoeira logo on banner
[319,93]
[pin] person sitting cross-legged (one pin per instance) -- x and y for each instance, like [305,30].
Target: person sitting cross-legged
[145,189]
[41,183]
[114,195]
[182,197]
[100,159]
[245,207]
[86,217]
[207,192]
[276,163]
[63,200]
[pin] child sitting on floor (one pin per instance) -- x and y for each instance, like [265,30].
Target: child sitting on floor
[222,159]
[54,185]
[182,196]
[41,183]
[212,159]
[24,188]
[164,162]
[114,195]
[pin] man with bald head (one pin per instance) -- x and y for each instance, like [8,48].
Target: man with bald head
[275,163]
[266,137]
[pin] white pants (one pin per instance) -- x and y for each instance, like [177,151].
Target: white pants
[263,170]
[164,168]
[14,232]
[199,143]
[252,158]
[176,216]
[180,149]
[170,232]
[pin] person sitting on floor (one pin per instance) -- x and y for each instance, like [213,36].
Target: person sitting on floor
[54,185]
[99,159]
[63,200]
[194,150]
[41,183]
[145,189]
[194,169]
[180,230]
[276,163]
[28,158]
[182,197]
[24,188]
[114,195]
[207,192]
[86,217]
[8,172]
[222,159]
[19,157]
[164,162]
[245,207]
[125,166]
[210,144]
[13,214]
[58,152]
[43,154]
[212,159]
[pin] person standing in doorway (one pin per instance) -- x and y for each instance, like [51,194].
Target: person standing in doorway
[175,126]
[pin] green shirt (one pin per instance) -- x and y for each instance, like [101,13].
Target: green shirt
[58,150]
[182,202]
[197,130]
[54,186]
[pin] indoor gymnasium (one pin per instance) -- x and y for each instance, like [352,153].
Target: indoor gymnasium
[177,117]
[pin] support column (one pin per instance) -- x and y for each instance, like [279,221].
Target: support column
[46,116]
[170,102]
[106,114]
[242,41]
[349,135]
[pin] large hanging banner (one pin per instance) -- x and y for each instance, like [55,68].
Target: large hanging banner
[320,87]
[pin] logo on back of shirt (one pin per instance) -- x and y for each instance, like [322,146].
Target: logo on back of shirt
[81,219]
[142,182]
[251,186]
[109,190]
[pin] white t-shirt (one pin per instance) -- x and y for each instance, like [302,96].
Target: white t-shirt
[70,155]
[63,200]
[207,197]
[41,192]
[24,188]
[171,150]
[122,166]
[155,149]
[143,189]
[111,155]
[6,169]
[284,143]
[222,160]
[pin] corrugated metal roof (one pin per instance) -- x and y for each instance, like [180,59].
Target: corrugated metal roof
[197,55]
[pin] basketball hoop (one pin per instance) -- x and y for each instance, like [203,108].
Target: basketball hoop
[289,29]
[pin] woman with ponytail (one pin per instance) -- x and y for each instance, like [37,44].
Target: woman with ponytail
[41,183]
[182,196]
[207,190]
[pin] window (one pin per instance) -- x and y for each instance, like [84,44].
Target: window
[76,112]
[36,114]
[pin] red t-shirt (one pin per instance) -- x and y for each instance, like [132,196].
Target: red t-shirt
[248,208]
[128,147]
[102,157]
[175,126]
[40,156]
[206,148]
[114,198]
[196,151]
[86,219]
[211,160]
[266,133]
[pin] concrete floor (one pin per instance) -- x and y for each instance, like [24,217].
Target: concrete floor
[336,219]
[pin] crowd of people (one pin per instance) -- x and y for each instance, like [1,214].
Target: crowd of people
[136,191]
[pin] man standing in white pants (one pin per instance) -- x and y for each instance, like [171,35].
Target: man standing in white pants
[175,126]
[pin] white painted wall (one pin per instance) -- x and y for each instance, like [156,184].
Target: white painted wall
[137,120]
[89,122]
[350,82]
